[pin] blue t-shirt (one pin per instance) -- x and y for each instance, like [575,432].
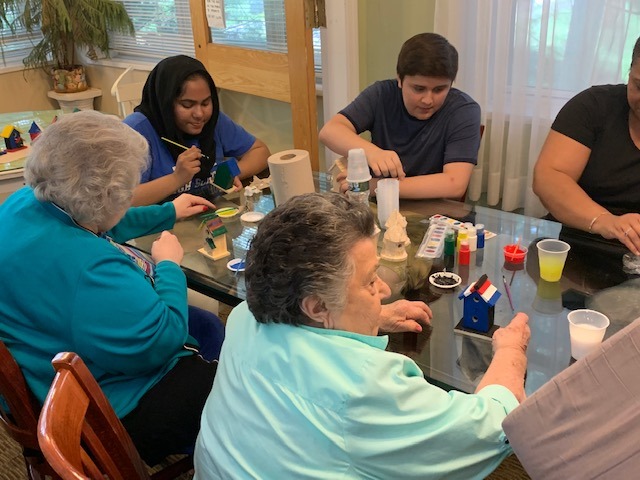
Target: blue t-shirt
[231,141]
[452,134]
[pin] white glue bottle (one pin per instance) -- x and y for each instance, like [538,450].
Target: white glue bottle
[473,238]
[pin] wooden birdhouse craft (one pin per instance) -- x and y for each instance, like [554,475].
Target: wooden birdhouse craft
[12,139]
[34,131]
[479,304]
[216,237]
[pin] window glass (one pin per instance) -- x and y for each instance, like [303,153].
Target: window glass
[15,42]
[259,24]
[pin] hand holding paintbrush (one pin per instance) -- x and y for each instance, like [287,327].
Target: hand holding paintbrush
[192,163]
[189,164]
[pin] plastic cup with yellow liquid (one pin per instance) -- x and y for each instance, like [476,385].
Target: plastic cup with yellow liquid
[552,255]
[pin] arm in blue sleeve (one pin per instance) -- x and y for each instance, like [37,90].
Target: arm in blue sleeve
[361,112]
[139,221]
[463,136]
[401,423]
[142,125]
[121,323]
[233,138]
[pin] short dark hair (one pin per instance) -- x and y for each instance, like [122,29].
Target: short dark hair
[301,249]
[429,55]
[636,52]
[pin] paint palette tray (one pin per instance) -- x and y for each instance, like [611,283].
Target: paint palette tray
[433,242]
[446,221]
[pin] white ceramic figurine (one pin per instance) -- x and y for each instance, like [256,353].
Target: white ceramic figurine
[395,238]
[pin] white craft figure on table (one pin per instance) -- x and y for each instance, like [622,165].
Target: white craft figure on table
[260,183]
[395,238]
[257,201]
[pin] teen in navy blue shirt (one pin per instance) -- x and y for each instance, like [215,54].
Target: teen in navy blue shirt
[423,131]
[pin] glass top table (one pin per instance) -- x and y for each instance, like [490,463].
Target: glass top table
[447,357]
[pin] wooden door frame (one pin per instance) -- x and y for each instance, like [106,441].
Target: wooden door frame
[287,77]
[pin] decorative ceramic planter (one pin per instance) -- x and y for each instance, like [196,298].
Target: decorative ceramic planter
[69,80]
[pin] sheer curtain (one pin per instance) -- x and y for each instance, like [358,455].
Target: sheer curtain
[521,60]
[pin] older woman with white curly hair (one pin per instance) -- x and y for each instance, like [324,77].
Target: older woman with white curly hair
[76,287]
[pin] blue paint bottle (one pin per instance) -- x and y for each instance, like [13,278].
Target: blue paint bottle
[480,235]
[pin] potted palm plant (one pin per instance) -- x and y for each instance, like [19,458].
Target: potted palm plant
[66,25]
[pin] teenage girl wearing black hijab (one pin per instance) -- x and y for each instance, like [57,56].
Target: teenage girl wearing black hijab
[180,103]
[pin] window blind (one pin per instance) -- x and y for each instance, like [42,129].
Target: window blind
[16,44]
[163,28]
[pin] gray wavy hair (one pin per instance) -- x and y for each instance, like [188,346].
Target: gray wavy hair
[302,249]
[87,163]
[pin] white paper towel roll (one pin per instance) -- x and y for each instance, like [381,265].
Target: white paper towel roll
[290,174]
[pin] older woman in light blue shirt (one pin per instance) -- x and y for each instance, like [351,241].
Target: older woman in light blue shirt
[305,388]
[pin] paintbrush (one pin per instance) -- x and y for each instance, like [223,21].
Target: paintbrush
[206,157]
[517,246]
[508,290]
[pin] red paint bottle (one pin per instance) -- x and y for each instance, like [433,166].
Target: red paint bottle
[464,253]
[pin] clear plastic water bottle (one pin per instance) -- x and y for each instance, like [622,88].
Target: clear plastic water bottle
[358,176]
[359,191]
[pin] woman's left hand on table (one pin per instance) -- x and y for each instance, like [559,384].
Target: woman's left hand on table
[405,316]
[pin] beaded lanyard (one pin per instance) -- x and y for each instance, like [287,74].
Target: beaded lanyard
[141,259]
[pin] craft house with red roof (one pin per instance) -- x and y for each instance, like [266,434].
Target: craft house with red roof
[479,305]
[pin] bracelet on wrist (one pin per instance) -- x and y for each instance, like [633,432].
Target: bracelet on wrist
[593,220]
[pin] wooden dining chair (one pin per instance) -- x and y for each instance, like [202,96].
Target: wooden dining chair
[21,420]
[80,435]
